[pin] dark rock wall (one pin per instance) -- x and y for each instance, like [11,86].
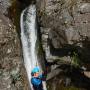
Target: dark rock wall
[65,24]
[65,29]
[12,71]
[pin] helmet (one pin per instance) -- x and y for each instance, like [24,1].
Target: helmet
[36,69]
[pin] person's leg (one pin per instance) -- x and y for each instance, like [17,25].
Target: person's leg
[41,87]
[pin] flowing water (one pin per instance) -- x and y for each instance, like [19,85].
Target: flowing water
[29,40]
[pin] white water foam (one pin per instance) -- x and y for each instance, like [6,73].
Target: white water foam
[28,39]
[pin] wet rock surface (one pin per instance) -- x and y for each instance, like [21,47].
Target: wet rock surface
[12,72]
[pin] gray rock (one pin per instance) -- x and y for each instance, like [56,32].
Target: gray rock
[66,16]
[10,51]
[72,35]
[66,24]
[84,8]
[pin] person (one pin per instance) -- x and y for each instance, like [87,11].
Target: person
[37,79]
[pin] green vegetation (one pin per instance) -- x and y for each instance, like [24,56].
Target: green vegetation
[16,77]
[75,60]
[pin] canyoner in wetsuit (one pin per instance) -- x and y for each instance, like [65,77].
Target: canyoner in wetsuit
[37,79]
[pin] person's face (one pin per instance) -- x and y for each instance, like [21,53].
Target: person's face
[36,74]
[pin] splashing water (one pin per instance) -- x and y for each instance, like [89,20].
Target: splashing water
[28,39]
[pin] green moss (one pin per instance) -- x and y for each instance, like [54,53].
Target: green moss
[75,60]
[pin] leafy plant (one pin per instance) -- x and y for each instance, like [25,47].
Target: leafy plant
[75,60]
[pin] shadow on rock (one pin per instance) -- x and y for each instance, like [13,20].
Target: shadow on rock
[77,76]
[67,50]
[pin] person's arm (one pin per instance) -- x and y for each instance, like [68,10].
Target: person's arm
[42,77]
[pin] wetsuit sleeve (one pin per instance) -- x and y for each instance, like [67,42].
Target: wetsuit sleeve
[42,77]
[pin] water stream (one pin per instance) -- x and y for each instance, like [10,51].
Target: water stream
[29,40]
